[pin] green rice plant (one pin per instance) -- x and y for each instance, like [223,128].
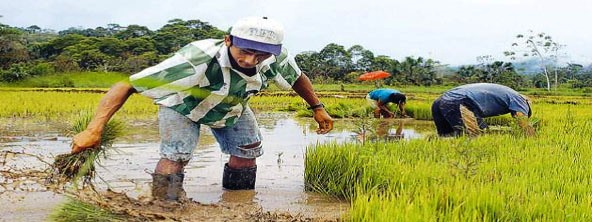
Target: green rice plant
[503,120]
[81,165]
[76,210]
[365,126]
[493,177]
[336,177]
[419,111]
[59,104]
[340,109]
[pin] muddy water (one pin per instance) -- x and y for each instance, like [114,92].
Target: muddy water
[279,187]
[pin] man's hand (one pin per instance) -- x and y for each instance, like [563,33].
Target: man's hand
[85,140]
[387,113]
[325,121]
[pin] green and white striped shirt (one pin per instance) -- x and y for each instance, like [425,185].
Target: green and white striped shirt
[199,82]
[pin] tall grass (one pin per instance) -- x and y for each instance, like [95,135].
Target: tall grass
[494,177]
[65,105]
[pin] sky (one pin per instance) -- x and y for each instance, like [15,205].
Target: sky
[454,32]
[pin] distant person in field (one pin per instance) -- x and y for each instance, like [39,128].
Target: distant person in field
[479,100]
[380,98]
[209,82]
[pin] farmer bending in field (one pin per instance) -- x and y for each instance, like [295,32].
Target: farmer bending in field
[479,100]
[209,82]
[380,98]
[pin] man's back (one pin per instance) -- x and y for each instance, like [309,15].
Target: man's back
[491,99]
[382,94]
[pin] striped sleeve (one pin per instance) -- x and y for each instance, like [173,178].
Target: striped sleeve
[180,72]
[283,71]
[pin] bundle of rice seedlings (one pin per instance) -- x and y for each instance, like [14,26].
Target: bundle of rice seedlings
[72,167]
[76,210]
[470,121]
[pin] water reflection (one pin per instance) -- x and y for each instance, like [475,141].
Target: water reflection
[384,130]
[280,178]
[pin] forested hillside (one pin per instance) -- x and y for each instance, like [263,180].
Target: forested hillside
[35,51]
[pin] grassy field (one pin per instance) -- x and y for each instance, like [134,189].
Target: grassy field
[499,176]
[494,177]
[74,80]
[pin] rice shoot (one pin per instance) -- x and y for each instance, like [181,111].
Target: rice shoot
[82,165]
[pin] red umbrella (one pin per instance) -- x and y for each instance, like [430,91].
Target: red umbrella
[374,75]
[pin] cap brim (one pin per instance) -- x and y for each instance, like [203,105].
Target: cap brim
[259,46]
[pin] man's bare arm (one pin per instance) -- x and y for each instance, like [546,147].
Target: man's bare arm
[109,104]
[303,87]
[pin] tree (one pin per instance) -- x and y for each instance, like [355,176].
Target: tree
[572,70]
[335,61]
[310,63]
[361,58]
[384,63]
[56,46]
[33,29]
[12,46]
[178,33]
[492,71]
[541,46]
[87,53]
[134,31]
[468,74]
[111,46]
[138,46]
[419,71]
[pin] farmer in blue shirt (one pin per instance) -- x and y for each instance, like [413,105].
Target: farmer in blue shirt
[379,99]
[483,100]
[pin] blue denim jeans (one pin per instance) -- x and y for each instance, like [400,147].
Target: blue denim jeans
[179,136]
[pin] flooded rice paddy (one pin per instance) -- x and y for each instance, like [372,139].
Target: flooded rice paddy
[280,178]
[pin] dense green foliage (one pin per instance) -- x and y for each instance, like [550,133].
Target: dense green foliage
[33,51]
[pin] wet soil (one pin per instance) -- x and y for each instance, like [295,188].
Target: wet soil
[123,185]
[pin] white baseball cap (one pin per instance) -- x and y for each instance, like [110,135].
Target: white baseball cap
[258,33]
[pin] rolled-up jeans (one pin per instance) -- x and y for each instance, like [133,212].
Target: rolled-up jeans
[179,136]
